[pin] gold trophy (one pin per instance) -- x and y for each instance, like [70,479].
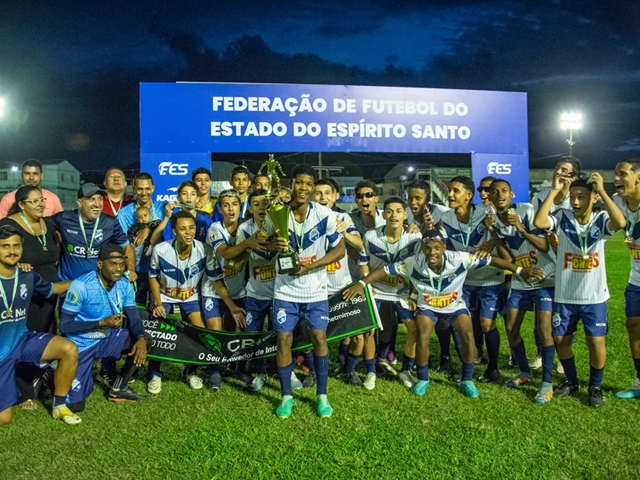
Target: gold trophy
[279,213]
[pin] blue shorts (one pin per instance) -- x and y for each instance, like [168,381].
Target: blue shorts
[443,318]
[215,308]
[540,299]
[109,347]
[29,349]
[486,300]
[287,314]
[186,308]
[403,313]
[566,317]
[632,301]
[257,311]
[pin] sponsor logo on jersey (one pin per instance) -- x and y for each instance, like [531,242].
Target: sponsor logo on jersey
[441,301]
[179,293]
[314,234]
[527,260]
[579,264]
[99,235]
[334,267]
[23,291]
[264,273]
[72,297]
[392,280]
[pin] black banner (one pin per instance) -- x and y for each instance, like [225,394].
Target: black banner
[177,341]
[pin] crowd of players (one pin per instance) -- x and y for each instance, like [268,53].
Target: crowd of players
[213,261]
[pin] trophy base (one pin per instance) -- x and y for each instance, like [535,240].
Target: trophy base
[287,263]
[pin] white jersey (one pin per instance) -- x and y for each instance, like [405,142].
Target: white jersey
[631,231]
[338,275]
[378,253]
[436,215]
[180,279]
[524,253]
[262,266]
[226,270]
[354,255]
[439,292]
[581,277]
[312,239]
[543,194]
[465,237]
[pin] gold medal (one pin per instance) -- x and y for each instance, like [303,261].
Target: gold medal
[628,239]
[8,314]
[585,256]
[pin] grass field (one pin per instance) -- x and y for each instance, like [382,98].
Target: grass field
[386,433]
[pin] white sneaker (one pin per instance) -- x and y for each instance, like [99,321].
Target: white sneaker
[369,381]
[560,368]
[296,384]
[536,363]
[406,379]
[155,385]
[195,382]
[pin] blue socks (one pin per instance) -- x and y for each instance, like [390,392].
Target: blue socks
[547,363]
[308,360]
[342,352]
[538,339]
[285,379]
[322,373]
[371,365]
[423,372]
[58,400]
[492,338]
[407,363]
[467,371]
[636,363]
[595,376]
[521,357]
[444,340]
[383,350]
[351,362]
[570,371]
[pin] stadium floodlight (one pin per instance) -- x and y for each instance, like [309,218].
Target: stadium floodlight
[14,168]
[410,169]
[571,121]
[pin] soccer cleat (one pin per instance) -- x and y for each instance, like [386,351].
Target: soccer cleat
[420,388]
[296,384]
[455,377]
[519,380]
[284,407]
[386,367]
[196,383]
[445,363]
[352,379]
[310,380]
[595,397]
[105,379]
[62,412]
[339,370]
[512,361]
[489,376]
[323,408]
[560,368]
[536,363]
[406,379]
[258,382]
[632,392]
[369,381]
[480,358]
[469,389]
[392,358]
[125,394]
[155,385]
[565,389]
[215,382]
[545,394]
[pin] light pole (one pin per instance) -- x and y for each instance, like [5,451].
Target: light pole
[571,121]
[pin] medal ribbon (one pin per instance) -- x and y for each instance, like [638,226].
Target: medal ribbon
[41,238]
[84,234]
[300,239]
[5,300]
[582,240]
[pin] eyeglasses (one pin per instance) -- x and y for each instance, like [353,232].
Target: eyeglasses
[37,201]
[483,189]
[360,196]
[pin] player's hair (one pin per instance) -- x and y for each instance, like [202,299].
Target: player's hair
[466,182]
[329,182]
[177,216]
[499,180]
[143,176]
[489,178]
[421,185]
[185,184]
[582,183]
[21,195]
[634,163]
[257,193]
[32,162]
[391,200]
[200,171]
[106,175]
[258,175]
[303,169]
[576,164]
[366,184]
[240,169]
[7,231]
[229,192]
[432,234]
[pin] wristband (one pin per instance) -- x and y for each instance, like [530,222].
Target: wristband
[361,282]
[518,270]
[414,297]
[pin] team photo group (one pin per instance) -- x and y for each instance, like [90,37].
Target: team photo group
[262,257]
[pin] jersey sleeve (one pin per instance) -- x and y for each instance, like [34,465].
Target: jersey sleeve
[119,236]
[333,237]
[363,258]
[471,261]
[606,229]
[397,269]
[215,238]
[75,297]
[56,220]
[154,270]
[41,286]
[128,295]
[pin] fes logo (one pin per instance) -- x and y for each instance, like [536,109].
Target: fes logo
[23,291]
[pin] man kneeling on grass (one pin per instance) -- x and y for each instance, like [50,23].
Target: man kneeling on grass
[437,277]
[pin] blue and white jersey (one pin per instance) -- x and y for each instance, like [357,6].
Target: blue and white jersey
[180,279]
[378,253]
[436,214]
[524,253]
[203,222]
[439,292]
[89,301]
[311,240]
[354,255]
[127,214]
[262,266]
[541,197]
[632,232]
[223,269]
[465,237]
[581,277]
[338,275]
[18,290]
[78,254]
[244,209]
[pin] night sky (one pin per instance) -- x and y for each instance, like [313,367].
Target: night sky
[70,71]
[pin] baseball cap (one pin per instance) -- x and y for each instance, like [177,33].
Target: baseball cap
[107,251]
[89,189]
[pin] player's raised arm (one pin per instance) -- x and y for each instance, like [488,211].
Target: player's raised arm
[541,218]
[616,217]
